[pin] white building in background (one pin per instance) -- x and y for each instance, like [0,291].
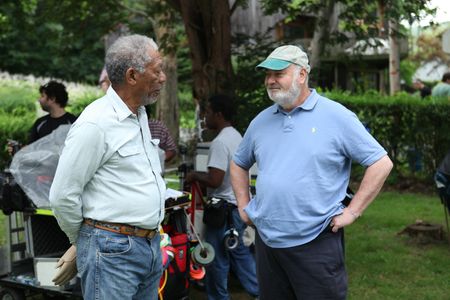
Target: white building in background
[433,70]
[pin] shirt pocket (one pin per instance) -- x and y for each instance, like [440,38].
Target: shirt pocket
[129,150]
[127,158]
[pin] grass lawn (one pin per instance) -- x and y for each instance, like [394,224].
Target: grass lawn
[384,265]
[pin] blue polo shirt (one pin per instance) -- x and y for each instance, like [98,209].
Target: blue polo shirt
[304,159]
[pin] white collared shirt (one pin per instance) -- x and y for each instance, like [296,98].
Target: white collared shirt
[109,169]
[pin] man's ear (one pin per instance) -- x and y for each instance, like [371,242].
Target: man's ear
[130,76]
[303,76]
[220,115]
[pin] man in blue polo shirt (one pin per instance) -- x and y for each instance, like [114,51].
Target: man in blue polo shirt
[303,145]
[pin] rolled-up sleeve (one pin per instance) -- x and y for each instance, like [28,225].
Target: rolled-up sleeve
[81,157]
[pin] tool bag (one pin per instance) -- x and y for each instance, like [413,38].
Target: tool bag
[215,212]
[177,286]
[12,197]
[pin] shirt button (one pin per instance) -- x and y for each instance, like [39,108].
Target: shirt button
[289,117]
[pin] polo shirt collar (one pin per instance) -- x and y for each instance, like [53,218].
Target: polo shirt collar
[119,106]
[309,103]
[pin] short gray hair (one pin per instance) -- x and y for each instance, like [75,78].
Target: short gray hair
[128,52]
[297,71]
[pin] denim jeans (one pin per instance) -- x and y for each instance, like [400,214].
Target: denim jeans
[117,266]
[240,259]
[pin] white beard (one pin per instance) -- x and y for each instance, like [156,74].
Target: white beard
[285,99]
[147,100]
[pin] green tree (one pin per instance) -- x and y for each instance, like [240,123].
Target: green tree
[56,38]
[362,19]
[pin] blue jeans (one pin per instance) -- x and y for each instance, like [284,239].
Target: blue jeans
[240,259]
[118,266]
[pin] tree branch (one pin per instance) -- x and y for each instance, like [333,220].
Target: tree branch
[137,12]
[233,7]
[175,4]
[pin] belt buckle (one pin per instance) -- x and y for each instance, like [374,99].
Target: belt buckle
[129,230]
[150,234]
[110,226]
[136,231]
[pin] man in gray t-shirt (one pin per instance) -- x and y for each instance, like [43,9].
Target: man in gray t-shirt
[220,153]
[219,113]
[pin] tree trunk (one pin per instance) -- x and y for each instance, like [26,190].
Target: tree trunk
[320,32]
[394,58]
[168,108]
[208,28]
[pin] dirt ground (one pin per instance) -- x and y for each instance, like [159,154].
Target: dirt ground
[235,288]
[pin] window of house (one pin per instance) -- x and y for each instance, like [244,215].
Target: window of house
[300,28]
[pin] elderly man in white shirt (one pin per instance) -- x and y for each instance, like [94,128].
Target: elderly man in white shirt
[108,194]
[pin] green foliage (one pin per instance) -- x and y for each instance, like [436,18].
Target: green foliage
[414,131]
[61,39]
[251,94]
[187,107]
[17,112]
[65,38]
[362,23]
[407,70]
[82,96]
[17,100]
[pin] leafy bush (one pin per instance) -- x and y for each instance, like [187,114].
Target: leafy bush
[82,96]
[414,131]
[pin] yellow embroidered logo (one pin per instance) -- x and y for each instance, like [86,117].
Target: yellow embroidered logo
[313,130]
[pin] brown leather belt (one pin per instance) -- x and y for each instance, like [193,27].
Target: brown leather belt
[122,228]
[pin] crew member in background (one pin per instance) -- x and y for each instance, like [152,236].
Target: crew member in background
[53,100]
[442,89]
[219,113]
[103,81]
[160,131]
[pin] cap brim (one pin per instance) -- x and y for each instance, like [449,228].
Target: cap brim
[273,64]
